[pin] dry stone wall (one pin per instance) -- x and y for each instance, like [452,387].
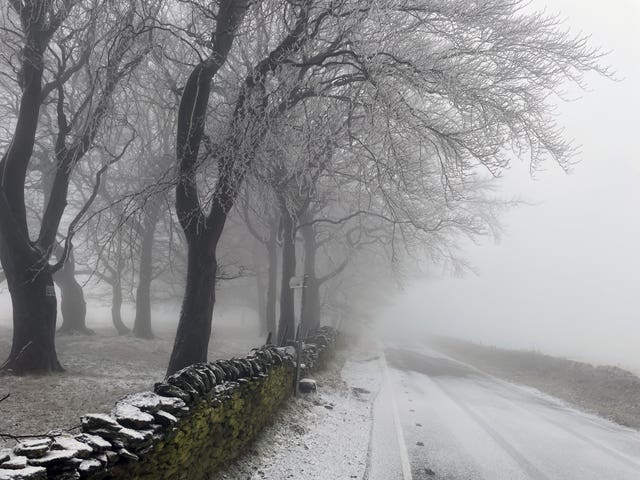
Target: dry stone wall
[191,425]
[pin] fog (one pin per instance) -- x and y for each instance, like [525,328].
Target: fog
[564,277]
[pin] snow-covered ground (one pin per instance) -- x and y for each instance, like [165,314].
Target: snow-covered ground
[100,369]
[321,436]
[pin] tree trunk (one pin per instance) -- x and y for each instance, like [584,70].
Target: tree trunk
[142,323]
[26,265]
[287,314]
[261,290]
[116,308]
[194,328]
[311,313]
[312,306]
[72,302]
[272,282]
[34,315]
[203,231]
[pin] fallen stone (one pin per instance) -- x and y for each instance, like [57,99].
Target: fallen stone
[28,473]
[96,442]
[15,463]
[33,448]
[82,450]
[131,417]
[307,385]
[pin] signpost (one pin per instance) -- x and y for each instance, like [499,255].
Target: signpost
[299,282]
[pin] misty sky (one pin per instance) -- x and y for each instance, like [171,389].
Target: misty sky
[565,278]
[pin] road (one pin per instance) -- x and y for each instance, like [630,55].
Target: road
[439,419]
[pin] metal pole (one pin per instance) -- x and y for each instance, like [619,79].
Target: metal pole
[302,303]
[298,358]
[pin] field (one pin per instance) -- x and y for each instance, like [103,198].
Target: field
[100,369]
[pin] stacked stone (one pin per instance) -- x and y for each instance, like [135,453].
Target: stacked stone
[110,444]
[107,440]
[318,347]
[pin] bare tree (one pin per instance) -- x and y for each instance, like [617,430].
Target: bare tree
[433,91]
[109,52]
[262,221]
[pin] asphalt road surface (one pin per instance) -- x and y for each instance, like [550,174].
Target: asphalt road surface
[439,419]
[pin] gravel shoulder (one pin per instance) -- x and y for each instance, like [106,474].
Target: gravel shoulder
[607,391]
[323,436]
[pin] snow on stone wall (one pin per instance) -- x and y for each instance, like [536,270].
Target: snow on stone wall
[194,423]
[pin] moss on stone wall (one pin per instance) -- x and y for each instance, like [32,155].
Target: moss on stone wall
[216,431]
[193,424]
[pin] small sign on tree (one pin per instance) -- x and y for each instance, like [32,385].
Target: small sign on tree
[297,281]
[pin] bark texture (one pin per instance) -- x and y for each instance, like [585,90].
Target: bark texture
[203,231]
[311,313]
[34,308]
[142,324]
[272,282]
[25,263]
[194,329]
[116,308]
[72,302]
[286,328]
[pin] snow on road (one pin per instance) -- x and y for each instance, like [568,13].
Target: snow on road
[460,424]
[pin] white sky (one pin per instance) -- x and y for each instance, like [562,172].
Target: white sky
[565,279]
